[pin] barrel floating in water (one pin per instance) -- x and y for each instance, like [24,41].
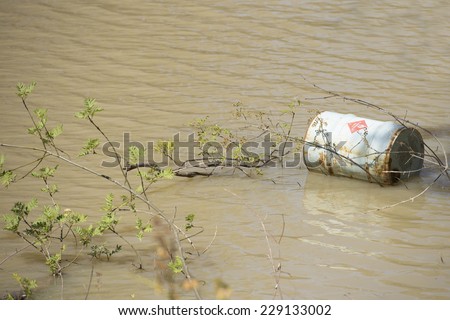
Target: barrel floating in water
[350,146]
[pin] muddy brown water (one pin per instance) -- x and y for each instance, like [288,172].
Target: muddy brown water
[155,66]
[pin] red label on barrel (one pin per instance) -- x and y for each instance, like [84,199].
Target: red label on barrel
[357,125]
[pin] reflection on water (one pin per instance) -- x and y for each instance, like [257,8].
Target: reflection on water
[155,67]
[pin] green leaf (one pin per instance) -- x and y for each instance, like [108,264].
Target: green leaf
[56,131]
[128,201]
[90,109]
[53,263]
[45,172]
[190,217]
[134,155]
[108,207]
[139,189]
[109,220]
[37,128]
[41,113]
[166,174]
[176,265]
[20,209]
[86,234]
[7,177]
[164,147]
[50,189]
[32,204]
[151,175]
[51,214]
[40,228]
[26,284]
[89,147]
[142,228]
[23,90]
[32,130]
[12,222]
[189,221]
[69,217]
[97,251]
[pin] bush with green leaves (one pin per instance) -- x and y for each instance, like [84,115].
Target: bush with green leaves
[53,231]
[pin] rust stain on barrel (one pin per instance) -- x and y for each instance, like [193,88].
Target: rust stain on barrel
[330,170]
[322,160]
[328,167]
[389,177]
[369,176]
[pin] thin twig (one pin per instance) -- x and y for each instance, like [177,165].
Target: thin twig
[276,269]
[116,154]
[117,183]
[130,244]
[62,285]
[185,267]
[90,280]
[16,252]
[409,199]
[212,241]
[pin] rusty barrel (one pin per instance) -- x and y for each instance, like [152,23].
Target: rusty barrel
[361,148]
